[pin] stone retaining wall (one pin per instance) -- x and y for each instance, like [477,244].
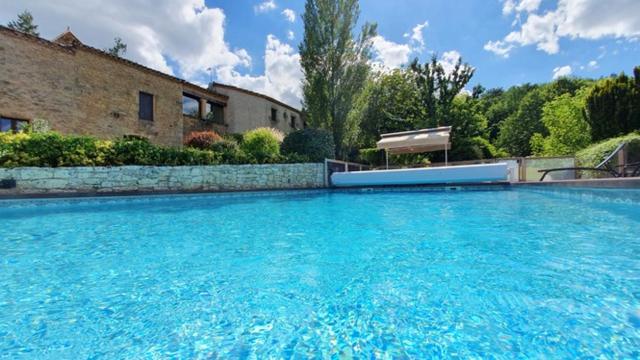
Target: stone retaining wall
[166,178]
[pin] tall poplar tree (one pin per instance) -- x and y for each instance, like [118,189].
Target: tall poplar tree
[335,65]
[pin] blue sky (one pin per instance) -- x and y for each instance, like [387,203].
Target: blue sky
[254,43]
[464,26]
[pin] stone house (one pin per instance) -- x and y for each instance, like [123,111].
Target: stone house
[78,89]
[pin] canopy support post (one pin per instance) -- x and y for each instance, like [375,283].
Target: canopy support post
[386,157]
[446,159]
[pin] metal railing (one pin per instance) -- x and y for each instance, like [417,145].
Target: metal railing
[331,166]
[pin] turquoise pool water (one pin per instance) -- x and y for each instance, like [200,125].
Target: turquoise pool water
[387,274]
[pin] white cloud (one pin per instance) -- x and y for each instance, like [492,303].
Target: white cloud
[417,35]
[388,54]
[562,71]
[449,60]
[592,65]
[289,14]
[540,30]
[499,48]
[291,35]
[573,19]
[282,78]
[511,6]
[265,6]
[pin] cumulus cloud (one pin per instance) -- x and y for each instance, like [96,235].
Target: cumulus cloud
[573,19]
[265,6]
[449,60]
[289,14]
[592,65]
[511,6]
[182,38]
[282,78]
[499,48]
[562,71]
[291,35]
[388,54]
[417,35]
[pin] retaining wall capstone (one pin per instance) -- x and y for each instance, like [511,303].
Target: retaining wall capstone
[31,180]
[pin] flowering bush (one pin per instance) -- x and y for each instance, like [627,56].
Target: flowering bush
[202,139]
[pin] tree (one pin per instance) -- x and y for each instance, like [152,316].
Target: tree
[516,130]
[390,102]
[25,24]
[565,121]
[335,66]
[118,49]
[438,88]
[612,106]
[468,124]
[497,105]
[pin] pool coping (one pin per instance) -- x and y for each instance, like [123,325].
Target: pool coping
[614,183]
[607,183]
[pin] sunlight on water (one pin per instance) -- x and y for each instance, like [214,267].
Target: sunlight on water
[401,274]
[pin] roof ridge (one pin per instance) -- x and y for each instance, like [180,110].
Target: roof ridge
[267,97]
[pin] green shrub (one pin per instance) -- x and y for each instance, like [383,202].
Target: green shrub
[237,138]
[315,144]
[371,156]
[133,151]
[202,139]
[187,156]
[260,145]
[277,134]
[489,151]
[53,150]
[594,154]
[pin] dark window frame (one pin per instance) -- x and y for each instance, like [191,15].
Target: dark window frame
[292,121]
[214,105]
[274,114]
[14,122]
[142,115]
[196,98]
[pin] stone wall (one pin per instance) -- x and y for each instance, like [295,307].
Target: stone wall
[246,110]
[170,178]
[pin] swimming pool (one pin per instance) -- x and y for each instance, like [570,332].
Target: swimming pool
[403,273]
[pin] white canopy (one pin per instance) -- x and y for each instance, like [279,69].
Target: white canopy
[416,141]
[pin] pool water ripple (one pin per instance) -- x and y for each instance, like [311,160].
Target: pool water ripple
[320,274]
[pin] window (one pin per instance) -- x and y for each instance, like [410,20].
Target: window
[12,125]
[274,115]
[190,105]
[293,121]
[214,112]
[145,106]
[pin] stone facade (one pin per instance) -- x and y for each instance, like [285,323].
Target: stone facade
[247,110]
[170,178]
[81,90]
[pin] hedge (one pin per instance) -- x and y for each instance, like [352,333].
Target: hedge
[595,153]
[315,144]
[51,149]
